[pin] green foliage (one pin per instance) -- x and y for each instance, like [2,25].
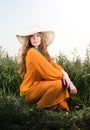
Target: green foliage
[16,114]
[9,77]
[79,72]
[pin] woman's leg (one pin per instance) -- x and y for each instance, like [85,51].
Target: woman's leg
[49,93]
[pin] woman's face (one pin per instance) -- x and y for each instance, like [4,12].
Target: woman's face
[35,39]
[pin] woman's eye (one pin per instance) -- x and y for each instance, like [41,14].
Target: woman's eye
[38,35]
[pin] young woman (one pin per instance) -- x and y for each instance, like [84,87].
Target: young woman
[44,83]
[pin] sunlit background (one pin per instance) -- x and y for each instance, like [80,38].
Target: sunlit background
[69,19]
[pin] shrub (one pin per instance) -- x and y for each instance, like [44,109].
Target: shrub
[79,72]
[16,114]
[9,77]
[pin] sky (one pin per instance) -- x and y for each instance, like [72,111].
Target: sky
[69,19]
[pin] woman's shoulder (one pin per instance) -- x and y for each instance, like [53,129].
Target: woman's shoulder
[32,51]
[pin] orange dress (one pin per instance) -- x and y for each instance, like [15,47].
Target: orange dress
[42,83]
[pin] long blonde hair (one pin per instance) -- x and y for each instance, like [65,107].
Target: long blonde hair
[23,51]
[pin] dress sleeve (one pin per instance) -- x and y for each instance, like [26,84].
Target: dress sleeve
[59,67]
[45,68]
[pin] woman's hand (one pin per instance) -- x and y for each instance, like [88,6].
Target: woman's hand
[66,79]
[73,89]
[67,82]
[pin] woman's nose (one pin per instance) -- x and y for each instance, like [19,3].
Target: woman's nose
[35,37]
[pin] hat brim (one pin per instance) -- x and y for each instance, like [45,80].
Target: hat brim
[49,36]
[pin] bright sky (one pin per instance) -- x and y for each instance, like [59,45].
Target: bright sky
[69,19]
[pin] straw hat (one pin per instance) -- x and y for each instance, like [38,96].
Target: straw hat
[49,35]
